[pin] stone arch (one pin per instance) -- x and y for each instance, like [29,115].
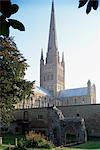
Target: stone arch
[77,128]
[69,134]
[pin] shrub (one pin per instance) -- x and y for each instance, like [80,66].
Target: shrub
[21,145]
[34,140]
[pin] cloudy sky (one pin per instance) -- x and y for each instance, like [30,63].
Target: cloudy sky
[78,35]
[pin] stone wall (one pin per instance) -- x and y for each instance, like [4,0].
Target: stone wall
[91,114]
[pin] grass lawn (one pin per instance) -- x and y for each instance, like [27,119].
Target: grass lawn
[92,144]
[3,147]
[10,138]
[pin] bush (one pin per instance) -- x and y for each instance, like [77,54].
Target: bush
[33,140]
[21,145]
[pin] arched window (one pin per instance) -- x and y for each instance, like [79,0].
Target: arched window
[25,117]
[77,115]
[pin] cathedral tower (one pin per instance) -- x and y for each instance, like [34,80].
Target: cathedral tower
[52,71]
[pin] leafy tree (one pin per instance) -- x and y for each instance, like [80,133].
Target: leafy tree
[6,10]
[90,4]
[13,87]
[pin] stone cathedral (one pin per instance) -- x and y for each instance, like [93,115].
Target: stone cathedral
[52,71]
[52,79]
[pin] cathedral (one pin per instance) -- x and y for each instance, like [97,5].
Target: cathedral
[52,71]
[52,79]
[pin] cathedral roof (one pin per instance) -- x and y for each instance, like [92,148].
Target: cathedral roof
[74,92]
[42,91]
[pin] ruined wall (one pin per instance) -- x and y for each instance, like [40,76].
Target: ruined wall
[91,114]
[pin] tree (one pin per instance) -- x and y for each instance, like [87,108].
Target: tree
[7,9]
[90,4]
[13,87]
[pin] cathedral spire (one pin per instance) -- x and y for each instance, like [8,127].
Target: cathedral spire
[52,72]
[52,42]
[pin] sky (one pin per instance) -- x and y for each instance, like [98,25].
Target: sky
[78,36]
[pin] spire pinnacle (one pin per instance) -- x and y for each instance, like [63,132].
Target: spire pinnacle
[41,53]
[42,59]
[52,6]
[62,62]
[62,56]
[52,42]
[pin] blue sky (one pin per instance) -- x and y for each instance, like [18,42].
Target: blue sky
[78,35]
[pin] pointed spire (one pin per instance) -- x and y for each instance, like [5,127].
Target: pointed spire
[62,62]
[42,54]
[52,5]
[42,59]
[89,84]
[52,42]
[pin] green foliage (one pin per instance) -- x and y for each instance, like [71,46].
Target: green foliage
[16,24]
[22,145]
[90,4]
[10,138]
[13,87]
[7,9]
[3,147]
[34,140]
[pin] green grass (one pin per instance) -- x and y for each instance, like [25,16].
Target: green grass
[3,147]
[67,148]
[10,138]
[90,145]
[94,144]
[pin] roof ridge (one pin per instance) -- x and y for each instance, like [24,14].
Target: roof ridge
[74,88]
